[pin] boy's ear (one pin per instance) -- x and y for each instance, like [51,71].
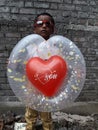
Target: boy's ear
[54,30]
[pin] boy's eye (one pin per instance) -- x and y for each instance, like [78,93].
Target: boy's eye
[40,23]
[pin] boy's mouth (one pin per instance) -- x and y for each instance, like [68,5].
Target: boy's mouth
[43,31]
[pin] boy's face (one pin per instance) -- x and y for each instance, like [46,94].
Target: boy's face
[44,26]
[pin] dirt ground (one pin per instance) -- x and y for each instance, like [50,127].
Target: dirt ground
[62,121]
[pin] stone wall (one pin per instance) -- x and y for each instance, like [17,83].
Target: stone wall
[75,19]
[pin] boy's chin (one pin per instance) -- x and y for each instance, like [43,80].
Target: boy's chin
[45,36]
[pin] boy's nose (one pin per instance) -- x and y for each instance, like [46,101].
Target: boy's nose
[44,25]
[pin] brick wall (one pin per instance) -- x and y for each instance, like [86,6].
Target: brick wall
[75,19]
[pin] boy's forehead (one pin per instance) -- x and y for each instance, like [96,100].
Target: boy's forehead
[44,17]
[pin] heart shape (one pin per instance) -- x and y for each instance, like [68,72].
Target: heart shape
[47,75]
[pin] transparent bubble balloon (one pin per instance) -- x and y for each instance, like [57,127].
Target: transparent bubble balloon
[34,46]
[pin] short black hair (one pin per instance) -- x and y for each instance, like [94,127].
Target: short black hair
[52,19]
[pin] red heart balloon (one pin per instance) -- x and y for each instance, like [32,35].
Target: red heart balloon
[46,75]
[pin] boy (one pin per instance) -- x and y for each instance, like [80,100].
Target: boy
[44,26]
